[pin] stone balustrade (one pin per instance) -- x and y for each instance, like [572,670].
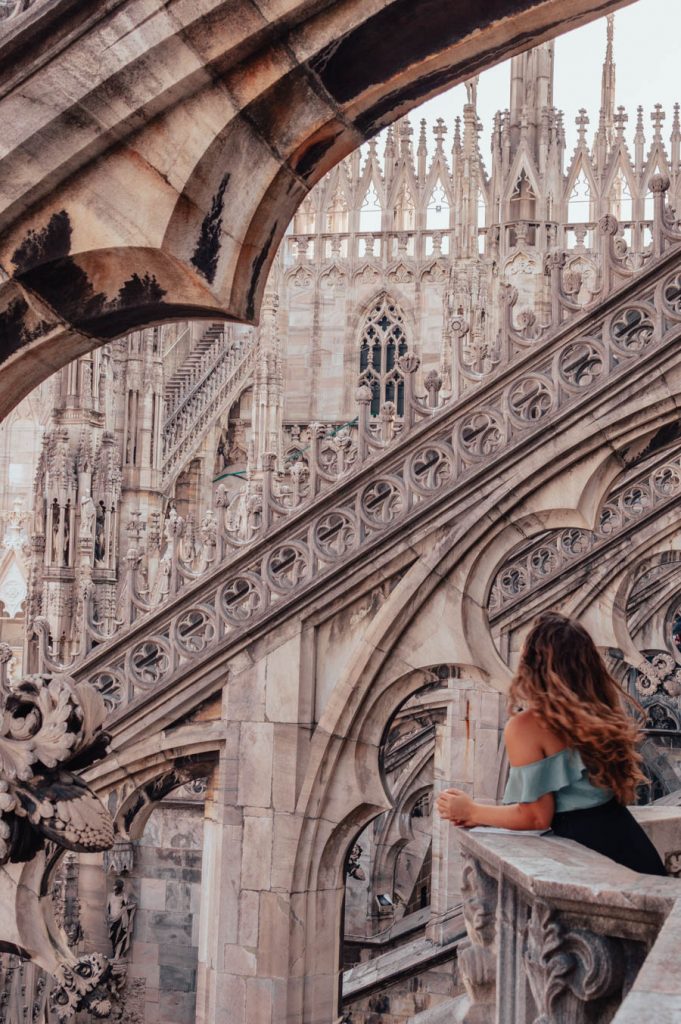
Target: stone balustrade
[559,934]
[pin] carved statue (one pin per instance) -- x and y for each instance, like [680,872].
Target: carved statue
[353,868]
[88,514]
[66,552]
[56,512]
[100,534]
[472,90]
[120,913]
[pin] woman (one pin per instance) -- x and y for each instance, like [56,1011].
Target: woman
[572,750]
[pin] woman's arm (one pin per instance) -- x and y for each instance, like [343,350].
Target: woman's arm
[457,807]
[523,737]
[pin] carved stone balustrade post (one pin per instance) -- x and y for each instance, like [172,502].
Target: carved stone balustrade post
[477,960]
[363,398]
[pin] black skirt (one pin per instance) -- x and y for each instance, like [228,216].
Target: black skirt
[612,830]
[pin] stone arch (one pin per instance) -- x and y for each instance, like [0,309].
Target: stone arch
[265,104]
[333,816]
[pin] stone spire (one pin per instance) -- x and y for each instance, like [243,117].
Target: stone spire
[607,116]
[531,93]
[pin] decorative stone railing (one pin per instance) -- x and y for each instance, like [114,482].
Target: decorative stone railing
[644,495]
[220,379]
[561,935]
[295,533]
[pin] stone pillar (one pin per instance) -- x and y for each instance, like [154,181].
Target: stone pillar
[468,756]
[250,844]
[220,874]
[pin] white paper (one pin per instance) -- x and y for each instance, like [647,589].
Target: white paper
[510,831]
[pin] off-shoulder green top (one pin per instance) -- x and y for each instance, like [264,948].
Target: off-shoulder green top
[564,774]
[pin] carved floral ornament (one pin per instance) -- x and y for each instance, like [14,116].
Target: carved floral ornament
[51,728]
[568,968]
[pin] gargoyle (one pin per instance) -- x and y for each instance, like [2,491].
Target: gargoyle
[50,728]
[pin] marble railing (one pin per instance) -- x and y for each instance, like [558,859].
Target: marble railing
[561,935]
[331,514]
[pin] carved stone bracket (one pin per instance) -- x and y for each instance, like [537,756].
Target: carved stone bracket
[573,973]
[477,960]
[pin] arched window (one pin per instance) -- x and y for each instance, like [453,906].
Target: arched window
[382,342]
[523,199]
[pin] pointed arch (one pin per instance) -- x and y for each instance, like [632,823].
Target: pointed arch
[580,197]
[438,209]
[382,340]
[371,209]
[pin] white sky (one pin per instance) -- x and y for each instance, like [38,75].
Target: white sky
[646,50]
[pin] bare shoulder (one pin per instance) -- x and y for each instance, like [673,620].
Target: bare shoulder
[523,724]
[525,737]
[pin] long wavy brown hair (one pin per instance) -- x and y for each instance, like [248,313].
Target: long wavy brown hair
[563,679]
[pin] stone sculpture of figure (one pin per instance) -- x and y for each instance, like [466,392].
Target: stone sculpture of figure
[56,512]
[100,533]
[472,91]
[67,534]
[120,915]
[88,514]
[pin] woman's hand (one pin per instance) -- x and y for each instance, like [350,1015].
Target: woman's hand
[456,806]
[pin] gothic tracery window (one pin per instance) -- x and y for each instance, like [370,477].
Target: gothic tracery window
[579,203]
[437,212]
[383,341]
[523,199]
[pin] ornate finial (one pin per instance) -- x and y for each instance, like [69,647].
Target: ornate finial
[620,119]
[676,124]
[659,183]
[610,30]
[439,131]
[422,136]
[657,116]
[639,124]
[457,133]
[582,120]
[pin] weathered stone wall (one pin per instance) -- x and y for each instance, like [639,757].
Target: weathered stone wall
[398,1002]
[166,881]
